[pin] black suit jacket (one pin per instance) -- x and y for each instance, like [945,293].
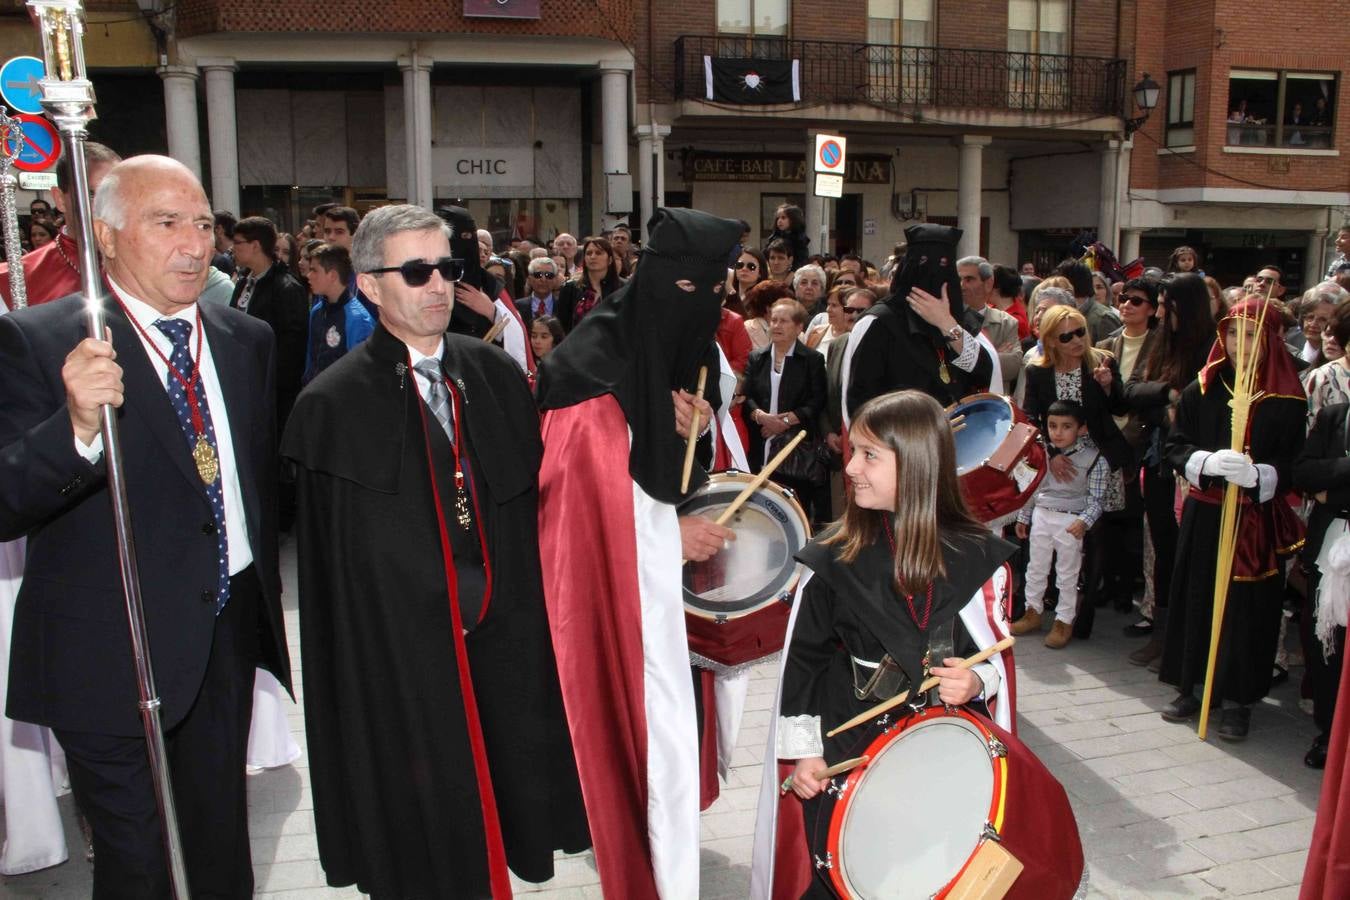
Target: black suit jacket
[801,390]
[1098,406]
[1324,466]
[70,660]
[280,301]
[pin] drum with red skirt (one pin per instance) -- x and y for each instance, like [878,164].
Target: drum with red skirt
[938,785]
[999,461]
[736,604]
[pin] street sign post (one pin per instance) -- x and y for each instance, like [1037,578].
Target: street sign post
[829,169]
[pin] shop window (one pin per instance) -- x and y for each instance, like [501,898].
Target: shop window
[1280,109]
[1038,44]
[899,58]
[1181,109]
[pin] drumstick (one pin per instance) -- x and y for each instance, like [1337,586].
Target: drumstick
[928,685]
[496,329]
[957,421]
[957,427]
[693,432]
[847,765]
[759,479]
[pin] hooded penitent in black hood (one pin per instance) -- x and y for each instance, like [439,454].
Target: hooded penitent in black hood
[464,245]
[929,263]
[649,338]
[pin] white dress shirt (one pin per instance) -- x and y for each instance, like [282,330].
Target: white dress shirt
[144,315]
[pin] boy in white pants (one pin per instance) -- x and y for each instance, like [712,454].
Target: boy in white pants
[1060,514]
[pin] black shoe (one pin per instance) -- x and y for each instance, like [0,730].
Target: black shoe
[1142,628]
[1316,757]
[1235,722]
[1182,709]
[1280,676]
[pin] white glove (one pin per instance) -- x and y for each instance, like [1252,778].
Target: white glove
[1246,476]
[1225,464]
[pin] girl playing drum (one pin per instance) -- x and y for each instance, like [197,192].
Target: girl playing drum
[893,592]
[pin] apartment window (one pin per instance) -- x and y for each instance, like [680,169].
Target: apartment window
[1280,109]
[1181,109]
[1038,26]
[907,22]
[759,18]
[1038,67]
[899,54]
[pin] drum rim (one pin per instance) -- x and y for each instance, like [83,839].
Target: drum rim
[789,499]
[879,745]
[970,400]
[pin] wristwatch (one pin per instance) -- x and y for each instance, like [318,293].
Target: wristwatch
[953,333]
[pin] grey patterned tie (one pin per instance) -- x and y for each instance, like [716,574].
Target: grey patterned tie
[438,397]
[246,294]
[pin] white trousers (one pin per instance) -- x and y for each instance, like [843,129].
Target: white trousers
[1049,539]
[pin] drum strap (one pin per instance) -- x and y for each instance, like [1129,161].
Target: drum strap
[885,679]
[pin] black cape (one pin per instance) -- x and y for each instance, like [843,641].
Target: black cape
[396,801]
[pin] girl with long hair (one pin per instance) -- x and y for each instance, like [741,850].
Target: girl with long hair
[749,270]
[1182,341]
[789,224]
[892,592]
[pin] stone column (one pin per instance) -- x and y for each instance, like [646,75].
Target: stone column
[416,71]
[1129,245]
[968,187]
[1314,266]
[613,131]
[651,175]
[180,115]
[1108,207]
[222,129]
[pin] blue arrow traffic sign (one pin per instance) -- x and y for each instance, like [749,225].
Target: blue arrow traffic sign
[19,84]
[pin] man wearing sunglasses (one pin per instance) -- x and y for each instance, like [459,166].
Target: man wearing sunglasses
[543,283]
[430,671]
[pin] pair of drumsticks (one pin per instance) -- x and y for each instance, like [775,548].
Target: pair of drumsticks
[885,706]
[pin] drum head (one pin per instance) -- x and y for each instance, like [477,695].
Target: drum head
[989,418]
[918,812]
[758,568]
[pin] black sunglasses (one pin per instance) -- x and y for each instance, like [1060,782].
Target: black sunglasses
[1066,336]
[850,311]
[1136,299]
[541,274]
[417,273]
[752,266]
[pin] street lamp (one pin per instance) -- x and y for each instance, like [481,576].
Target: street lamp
[1146,98]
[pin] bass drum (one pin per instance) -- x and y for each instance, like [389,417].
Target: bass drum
[938,786]
[999,461]
[736,604]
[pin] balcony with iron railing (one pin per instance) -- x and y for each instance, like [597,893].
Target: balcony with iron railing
[902,77]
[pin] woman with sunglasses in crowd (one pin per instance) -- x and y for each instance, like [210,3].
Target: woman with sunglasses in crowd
[1071,369]
[748,270]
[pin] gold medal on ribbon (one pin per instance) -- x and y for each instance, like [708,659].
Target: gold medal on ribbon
[204,455]
[945,375]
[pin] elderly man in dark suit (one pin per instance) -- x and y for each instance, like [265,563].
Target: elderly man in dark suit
[193,384]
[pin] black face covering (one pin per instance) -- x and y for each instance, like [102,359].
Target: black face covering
[464,245]
[649,338]
[930,263]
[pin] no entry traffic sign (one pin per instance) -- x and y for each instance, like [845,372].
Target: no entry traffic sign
[830,154]
[41,144]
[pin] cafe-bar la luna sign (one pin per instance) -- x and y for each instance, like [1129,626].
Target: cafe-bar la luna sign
[784,167]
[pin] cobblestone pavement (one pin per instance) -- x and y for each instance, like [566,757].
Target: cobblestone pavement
[1161,813]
